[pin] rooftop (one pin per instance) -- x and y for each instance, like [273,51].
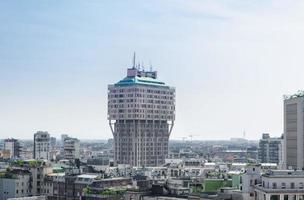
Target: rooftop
[90,176]
[135,75]
[139,80]
[284,174]
[300,93]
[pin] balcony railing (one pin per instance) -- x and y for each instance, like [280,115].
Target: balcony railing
[279,190]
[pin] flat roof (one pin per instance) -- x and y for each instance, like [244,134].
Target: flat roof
[88,176]
[139,80]
[56,174]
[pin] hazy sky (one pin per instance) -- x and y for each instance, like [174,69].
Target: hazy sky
[230,61]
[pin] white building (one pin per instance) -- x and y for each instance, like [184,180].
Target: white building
[250,178]
[71,148]
[281,185]
[41,145]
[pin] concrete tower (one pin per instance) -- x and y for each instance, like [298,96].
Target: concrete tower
[141,114]
[294,130]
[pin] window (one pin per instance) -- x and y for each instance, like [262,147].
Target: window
[283,185]
[274,185]
[292,185]
[301,185]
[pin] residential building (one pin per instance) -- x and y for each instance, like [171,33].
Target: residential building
[13,146]
[24,178]
[141,113]
[15,183]
[270,149]
[41,145]
[71,148]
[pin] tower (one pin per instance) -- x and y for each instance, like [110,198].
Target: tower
[41,145]
[141,114]
[294,130]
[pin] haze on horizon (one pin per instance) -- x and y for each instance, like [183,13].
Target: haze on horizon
[230,61]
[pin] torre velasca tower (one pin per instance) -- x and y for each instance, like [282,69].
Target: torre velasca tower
[141,113]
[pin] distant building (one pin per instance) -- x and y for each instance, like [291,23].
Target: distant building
[6,154]
[53,142]
[294,130]
[13,146]
[270,149]
[41,145]
[98,161]
[71,148]
[63,136]
[141,113]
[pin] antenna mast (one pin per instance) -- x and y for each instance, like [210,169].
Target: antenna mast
[134,57]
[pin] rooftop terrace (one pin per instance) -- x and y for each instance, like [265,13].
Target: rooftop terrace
[300,93]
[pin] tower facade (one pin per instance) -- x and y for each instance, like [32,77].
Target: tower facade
[71,148]
[294,130]
[141,114]
[41,145]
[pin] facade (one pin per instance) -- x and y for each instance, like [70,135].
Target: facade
[281,184]
[24,179]
[270,149]
[15,185]
[41,145]
[249,179]
[141,113]
[71,148]
[53,142]
[63,137]
[294,130]
[13,146]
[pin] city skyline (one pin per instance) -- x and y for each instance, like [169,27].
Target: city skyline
[231,63]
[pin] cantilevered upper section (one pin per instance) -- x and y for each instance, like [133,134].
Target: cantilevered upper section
[140,96]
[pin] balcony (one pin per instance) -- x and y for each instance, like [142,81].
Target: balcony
[279,190]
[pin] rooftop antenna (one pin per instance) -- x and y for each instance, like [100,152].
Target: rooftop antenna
[134,57]
[244,134]
[151,68]
[138,66]
[142,65]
